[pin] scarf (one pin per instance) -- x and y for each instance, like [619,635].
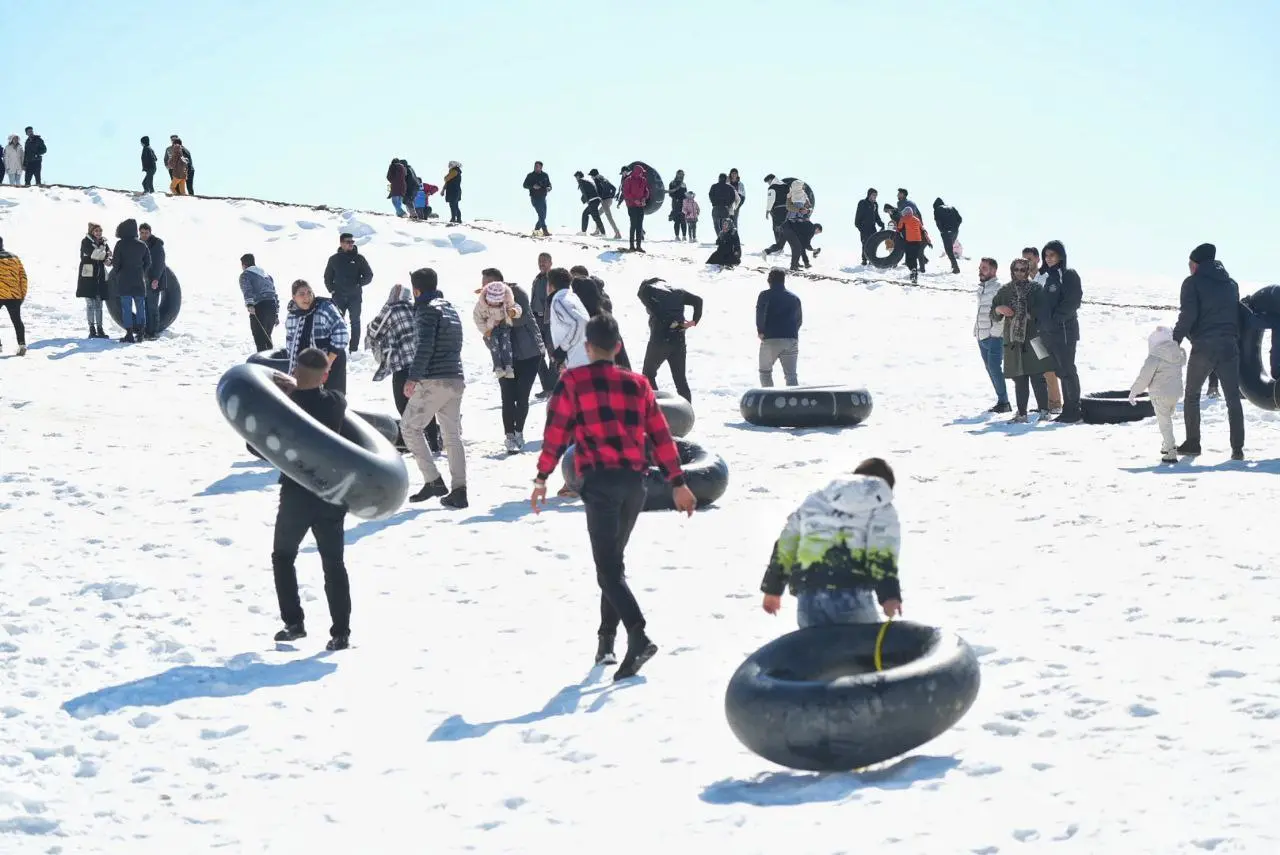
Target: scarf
[1016,329]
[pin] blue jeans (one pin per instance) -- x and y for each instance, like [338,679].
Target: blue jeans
[841,605]
[133,311]
[992,350]
[540,208]
[398,203]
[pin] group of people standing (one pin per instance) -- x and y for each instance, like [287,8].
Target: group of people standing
[411,196]
[177,159]
[28,159]
[138,278]
[908,222]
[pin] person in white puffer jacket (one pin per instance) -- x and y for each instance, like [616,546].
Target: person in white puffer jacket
[1161,375]
[990,333]
[13,160]
[567,318]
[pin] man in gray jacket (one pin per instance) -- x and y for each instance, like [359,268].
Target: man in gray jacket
[260,298]
[434,389]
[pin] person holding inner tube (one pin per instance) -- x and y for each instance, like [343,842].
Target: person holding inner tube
[301,511]
[314,322]
[838,552]
[867,220]
[611,415]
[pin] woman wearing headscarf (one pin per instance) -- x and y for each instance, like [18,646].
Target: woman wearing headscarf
[1026,358]
[91,285]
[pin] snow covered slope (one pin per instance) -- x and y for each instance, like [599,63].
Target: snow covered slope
[1125,614]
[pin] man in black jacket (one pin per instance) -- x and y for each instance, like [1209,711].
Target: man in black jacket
[345,276]
[1209,315]
[538,183]
[867,220]
[434,389]
[1059,326]
[301,510]
[148,166]
[948,220]
[33,156]
[722,196]
[776,211]
[778,320]
[666,331]
[157,280]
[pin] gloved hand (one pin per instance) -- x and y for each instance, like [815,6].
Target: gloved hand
[1133,399]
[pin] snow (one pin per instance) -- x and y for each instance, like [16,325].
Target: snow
[1124,613]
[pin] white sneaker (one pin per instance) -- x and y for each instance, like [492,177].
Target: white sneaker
[511,446]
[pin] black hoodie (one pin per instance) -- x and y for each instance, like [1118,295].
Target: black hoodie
[130,261]
[1210,306]
[1062,296]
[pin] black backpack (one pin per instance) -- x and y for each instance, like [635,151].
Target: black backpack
[607,190]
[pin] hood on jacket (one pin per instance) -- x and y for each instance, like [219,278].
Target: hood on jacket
[938,203]
[398,294]
[127,229]
[453,164]
[1161,345]
[255,270]
[855,496]
[1213,270]
[639,170]
[1056,246]
[13,140]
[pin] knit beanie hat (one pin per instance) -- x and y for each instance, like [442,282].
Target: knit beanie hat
[593,173]
[1204,253]
[495,293]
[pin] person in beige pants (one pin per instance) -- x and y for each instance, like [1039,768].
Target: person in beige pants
[605,207]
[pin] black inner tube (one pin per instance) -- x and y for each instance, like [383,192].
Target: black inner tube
[1256,384]
[657,190]
[169,307]
[808,191]
[678,412]
[706,474]
[874,244]
[806,406]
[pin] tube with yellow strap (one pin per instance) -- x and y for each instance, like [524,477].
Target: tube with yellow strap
[884,627]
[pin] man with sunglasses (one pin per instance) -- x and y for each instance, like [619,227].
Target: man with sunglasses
[345,276]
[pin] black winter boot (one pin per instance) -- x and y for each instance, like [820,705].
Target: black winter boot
[93,333]
[291,632]
[639,651]
[456,500]
[128,337]
[430,491]
[604,650]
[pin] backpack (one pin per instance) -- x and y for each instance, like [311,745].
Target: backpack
[636,187]
[607,190]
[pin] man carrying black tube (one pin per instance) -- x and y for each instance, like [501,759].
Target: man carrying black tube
[301,510]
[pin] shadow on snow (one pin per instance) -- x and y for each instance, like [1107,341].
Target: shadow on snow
[787,789]
[1185,467]
[359,532]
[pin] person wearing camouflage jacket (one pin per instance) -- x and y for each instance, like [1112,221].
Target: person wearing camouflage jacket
[838,551]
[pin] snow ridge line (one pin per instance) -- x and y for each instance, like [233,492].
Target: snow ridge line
[478,225]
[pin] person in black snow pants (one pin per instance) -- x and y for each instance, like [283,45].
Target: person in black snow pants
[948,221]
[149,161]
[33,156]
[676,190]
[728,246]
[735,181]
[799,235]
[722,197]
[260,300]
[538,183]
[591,198]
[1059,326]
[301,511]
[635,193]
[867,220]
[776,210]
[453,191]
[667,325]
[157,281]
[345,276]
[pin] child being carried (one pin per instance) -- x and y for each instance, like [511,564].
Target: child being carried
[494,312]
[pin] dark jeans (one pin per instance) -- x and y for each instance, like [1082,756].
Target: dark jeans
[15,315]
[692,225]
[263,320]
[948,244]
[592,212]
[1021,393]
[152,326]
[1221,356]
[33,171]
[149,182]
[345,301]
[779,239]
[678,223]
[515,393]
[191,181]
[546,369]
[338,375]
[671,351]
[637,226]
[1064,355]
[613,499]
[455,213]
[432,430]
[863,236]
[798,245]
[915,255]
[299,512]
[540,208]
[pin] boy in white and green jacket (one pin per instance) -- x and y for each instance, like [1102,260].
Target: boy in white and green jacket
[838,552]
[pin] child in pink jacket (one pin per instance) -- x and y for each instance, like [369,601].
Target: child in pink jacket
[493,314]
[691,211]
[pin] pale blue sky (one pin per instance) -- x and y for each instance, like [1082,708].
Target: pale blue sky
[1130,130]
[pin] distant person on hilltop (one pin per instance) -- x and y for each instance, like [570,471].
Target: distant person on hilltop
[412,184]
[453,191]
[422,200]
[914,235]
[635,192]
[721,196]
[91,284]
[691,212]
[800,235]
[14,160]
[345,276]
[149,161]
[33,156]
[867,220]
[13,291]
[775,210]
[1209,315]
[157,280]
[260,300]
[538,183]
[590,194]
[130,264]
[185,158]
[948,221]
[735,181]
[176,163]
[301,511]
[396,185]
[607,194]
[677,191]
[728,251]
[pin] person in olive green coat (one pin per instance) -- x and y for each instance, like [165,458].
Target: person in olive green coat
[1019,303]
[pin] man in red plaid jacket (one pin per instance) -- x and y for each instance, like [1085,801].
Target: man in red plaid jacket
[609,413]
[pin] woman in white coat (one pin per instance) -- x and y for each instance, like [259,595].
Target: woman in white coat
[13,160]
